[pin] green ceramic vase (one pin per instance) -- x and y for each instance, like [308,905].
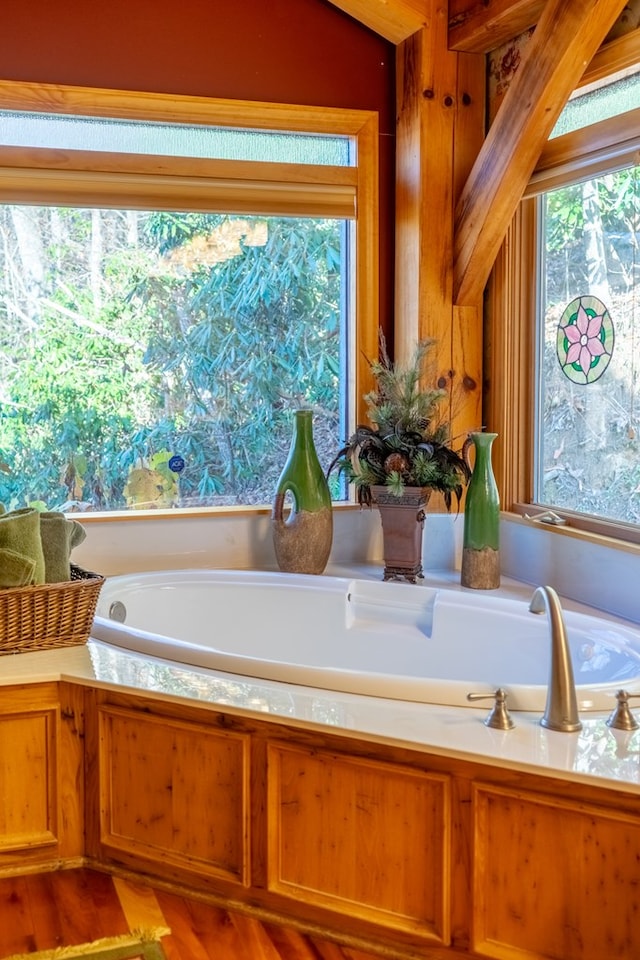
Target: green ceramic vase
[481,539]
[302,540]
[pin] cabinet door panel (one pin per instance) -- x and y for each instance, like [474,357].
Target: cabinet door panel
[175,792]
[553,879]
[28,779]
[365,838]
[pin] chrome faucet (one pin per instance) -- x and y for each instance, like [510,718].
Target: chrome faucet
[561,711]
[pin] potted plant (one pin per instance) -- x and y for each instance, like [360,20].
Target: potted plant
[402,457]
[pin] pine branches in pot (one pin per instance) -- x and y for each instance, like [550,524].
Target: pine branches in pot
[402,457]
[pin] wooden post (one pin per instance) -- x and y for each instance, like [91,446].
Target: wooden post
[440,116]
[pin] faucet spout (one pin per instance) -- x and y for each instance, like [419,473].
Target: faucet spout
[561,711]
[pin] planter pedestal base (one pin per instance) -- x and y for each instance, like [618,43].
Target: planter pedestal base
[410,574]
[402,527]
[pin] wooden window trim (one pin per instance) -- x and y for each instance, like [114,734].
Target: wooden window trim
[509,367]
[582,154]
[613,58]
[28,175]
[173,108]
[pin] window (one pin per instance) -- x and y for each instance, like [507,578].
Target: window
[588,429]
[562,322]
[590,104]
[177,277]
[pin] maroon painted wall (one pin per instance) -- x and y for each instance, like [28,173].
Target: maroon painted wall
[287,51]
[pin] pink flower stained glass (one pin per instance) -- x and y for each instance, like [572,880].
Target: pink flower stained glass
[585,339]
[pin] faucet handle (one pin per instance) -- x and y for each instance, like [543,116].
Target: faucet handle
[621,717]
[499,718]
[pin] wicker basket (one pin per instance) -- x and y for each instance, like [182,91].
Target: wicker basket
[50,615]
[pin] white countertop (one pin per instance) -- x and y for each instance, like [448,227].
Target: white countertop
[597,754]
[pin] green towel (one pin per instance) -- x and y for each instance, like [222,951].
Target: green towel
[20,533]
[59,536]
[15,570]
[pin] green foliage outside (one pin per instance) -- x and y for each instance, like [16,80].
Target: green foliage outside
[128,339]
[590,434]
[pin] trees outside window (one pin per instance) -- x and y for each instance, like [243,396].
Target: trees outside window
[589,428]
[152,359]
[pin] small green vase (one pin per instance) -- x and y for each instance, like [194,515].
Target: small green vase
[481,539]
[302,541]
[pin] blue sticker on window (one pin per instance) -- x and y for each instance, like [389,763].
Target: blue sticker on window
[176,463]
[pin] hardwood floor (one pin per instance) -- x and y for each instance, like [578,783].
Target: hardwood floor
[69,907]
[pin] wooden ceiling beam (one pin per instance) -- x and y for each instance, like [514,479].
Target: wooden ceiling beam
[566,38]
[479,26]
[395,20]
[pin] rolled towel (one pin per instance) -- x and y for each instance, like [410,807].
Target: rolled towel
[15,570]
[20,533]
[59,536]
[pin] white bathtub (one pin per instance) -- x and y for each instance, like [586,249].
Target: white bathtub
[394,640]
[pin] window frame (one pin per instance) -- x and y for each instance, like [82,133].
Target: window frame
[92,179]
[510,315]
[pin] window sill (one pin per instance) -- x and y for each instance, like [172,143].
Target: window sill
[187,513]
[619,536]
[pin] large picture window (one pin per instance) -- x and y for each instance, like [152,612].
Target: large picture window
[171,292]
[151,359]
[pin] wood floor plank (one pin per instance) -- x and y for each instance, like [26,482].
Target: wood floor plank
[215,930]
[294,945]
[100,886]
[47,925]
[72,896]
[140,905]
[67,907]
[15,917]
[349,953]
[330,951]
[182,942]
[333,951]
[255,942]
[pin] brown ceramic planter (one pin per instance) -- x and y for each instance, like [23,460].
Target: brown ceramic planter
[402,526]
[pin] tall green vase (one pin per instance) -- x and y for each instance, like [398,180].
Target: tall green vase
[481,539]
[302,540]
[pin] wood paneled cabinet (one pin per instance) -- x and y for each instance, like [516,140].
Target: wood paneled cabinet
[423,854]
[41,775]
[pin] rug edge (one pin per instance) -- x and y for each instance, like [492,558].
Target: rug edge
[137,936]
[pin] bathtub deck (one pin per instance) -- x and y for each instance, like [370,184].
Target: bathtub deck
[65,908]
